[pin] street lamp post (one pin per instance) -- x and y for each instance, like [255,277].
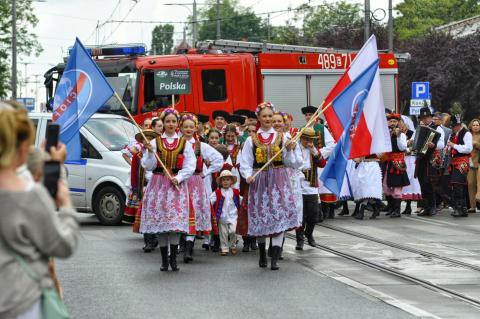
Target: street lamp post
[194,17]
[14,50]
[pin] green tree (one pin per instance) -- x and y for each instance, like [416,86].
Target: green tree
[417,17]
[286,34]
[27,43]
[237,23]
[162,39]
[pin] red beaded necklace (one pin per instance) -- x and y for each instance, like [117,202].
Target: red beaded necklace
[170,146]
[267,140]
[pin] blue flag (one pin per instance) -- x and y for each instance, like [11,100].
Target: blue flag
[352,98]
[82,90]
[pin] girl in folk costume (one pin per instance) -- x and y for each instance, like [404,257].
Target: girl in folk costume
[410,192]
[200,212]
[271,197]
[288,128]
[230,140]
[165,209]
[395,170]
[132,153]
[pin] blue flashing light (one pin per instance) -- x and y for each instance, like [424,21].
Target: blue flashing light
[115,50]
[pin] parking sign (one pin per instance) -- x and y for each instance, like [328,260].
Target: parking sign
[420,91]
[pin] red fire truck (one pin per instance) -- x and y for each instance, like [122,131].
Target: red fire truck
[228,75]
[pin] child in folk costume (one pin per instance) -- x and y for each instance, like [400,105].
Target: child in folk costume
[271,198]
[165,209]
[200,212]
[226,202]
[395,170]
[311,161]
[220,120]
[230,140]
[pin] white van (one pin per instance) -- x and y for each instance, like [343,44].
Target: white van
[97,182]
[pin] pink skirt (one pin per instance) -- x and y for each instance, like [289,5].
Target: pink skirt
[271,203]
[164,208]
[200,203]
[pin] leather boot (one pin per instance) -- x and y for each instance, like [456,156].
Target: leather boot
[331,211]
[396,208]
[188,253]
[300,239]
[361,212]
[408,209]
[321,212]
[275,255]
[344,211]
[269,251]
[253,243]
[246,244]
[390,206]
[355,211]
[309,234]
[164,252]
[182,243]
[216,243]
[262,263]
[173,257]
[149,243]
[376,210]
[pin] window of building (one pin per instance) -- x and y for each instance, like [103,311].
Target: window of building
[214,85]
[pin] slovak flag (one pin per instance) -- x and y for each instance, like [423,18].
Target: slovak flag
[372,135]
[352,102]
[81,92]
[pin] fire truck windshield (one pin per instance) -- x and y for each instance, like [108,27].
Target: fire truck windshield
[124,85]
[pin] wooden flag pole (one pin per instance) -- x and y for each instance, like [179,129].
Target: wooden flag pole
[315,115]
[145,138]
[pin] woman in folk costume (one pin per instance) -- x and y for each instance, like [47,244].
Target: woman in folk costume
[165,206]
[271,197]
[200,212]
[410,192]
[395,170]
[288,128]
[230,140]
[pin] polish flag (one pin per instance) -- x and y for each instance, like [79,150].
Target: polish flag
[372,134]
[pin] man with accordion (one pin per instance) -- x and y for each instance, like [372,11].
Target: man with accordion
[428,143]
[460,146]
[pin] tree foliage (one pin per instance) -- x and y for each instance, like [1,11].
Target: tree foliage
[237,23]
[452,67]
[417,17]
[162,39]
[27,43]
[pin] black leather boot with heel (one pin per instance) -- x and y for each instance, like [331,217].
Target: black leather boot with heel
[262,263]
[164,252]
[275,257]
[173,257]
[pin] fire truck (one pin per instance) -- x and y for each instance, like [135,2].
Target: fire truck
[227,75]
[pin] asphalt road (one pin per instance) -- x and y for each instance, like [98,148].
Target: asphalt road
[111,277]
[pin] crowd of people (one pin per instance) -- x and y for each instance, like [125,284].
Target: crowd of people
[249,174]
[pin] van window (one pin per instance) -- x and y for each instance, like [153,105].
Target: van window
[114,133]
[88,151]
[151,101]
[214,85]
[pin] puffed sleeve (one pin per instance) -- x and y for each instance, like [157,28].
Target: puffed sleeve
[402,142]
[149,161]
[441,140]
[329,144]
[189,163]
[246,159]
[214,157]
[467,146]
[292,158]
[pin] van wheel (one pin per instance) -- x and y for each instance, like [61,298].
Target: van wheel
[109,206]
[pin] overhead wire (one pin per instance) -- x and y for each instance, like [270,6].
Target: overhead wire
[121,21]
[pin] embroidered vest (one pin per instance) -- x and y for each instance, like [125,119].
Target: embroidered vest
[172,158]
[263,152]
[458,139]
[218,206]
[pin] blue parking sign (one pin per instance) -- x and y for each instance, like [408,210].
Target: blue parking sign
[420,90]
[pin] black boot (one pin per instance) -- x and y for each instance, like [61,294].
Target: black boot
[396,208]
[355,211]
[275,255]
[173,257]
[309,234]
[300,239]
[361,212]
[150,243]
[262,263]
[246,244]
[331,211]
[408,208]
[280,255]
[188,253]
[390,206]
[321,212]
[269,251]
[182,243]
[253,243]
[216,243]
[376,210]
[164,252]
[344,211]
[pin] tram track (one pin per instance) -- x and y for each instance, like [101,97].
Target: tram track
[416,280]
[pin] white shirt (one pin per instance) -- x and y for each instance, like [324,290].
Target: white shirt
[229,210]
[209,154]
[149,161]
[441,141]
[329,143]
[306,165]
[247,158]
[467,146]
[402,142]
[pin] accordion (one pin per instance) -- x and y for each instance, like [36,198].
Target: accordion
[423,136]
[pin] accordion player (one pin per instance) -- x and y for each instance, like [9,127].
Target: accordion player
[423,136]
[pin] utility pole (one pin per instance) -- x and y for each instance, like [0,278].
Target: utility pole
[390,26]
[218,19]
[194,24]
[367,19]
[14,50]
[268,27]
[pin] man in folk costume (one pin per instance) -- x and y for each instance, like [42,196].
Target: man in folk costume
[326,144]
[395,169]
[220,120]
[202,120]
[311,161]
[460,146]
[428,166]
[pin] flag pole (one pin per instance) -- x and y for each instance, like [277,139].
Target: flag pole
[173,101]
[145,138]
[315,115]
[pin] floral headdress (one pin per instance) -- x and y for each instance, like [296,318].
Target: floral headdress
[263,105]
[186,117]
[168,111]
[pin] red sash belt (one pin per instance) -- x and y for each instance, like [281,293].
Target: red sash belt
[460,163]
[395,156]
